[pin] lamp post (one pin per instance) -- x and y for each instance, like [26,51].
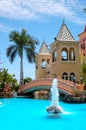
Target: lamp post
[74,79]
[81,78]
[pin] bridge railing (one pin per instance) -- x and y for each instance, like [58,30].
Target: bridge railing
[62,84]
[35,83]
[66,86]
[70,86]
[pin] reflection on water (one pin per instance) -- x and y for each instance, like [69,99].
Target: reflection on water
[53,116]
[46,97]
[42,94]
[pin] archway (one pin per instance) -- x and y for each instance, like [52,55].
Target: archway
[65,76]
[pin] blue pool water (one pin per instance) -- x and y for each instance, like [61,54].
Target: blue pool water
[30,114]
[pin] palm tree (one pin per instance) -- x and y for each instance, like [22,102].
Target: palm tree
[22,42]
[84,10]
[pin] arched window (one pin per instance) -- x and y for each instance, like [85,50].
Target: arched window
[54,56]
[71,54]
[72,77]
[83,46]
[43,64]
[64,54]
[48,61]
[65,76]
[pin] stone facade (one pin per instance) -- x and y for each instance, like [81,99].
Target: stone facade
[61,59]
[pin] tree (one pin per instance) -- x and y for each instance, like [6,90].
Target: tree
[23,42]
[27,80]
[84,10]
[6,78]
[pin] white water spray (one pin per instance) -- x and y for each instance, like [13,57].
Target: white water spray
[54,93]
[54,107]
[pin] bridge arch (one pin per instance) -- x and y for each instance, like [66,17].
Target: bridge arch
[37,88]
[64,86]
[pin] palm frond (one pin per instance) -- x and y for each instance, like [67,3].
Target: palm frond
[15,37]
[11,52]
[30,54]
[84,10]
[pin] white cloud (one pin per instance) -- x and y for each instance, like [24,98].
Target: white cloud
[37,9]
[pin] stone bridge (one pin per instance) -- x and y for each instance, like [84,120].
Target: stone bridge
[64,86]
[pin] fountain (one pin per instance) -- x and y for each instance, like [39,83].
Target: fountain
[54,107]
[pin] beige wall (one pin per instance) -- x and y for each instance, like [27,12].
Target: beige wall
[59,67]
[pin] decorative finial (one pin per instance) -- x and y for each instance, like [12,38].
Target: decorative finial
[63,21]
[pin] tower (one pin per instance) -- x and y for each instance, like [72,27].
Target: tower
[62,58]
[82,46]
[65,59]
[43,62]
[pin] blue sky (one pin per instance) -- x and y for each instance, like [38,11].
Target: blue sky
[42,19]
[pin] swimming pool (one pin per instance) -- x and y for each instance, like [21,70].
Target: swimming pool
[30,114]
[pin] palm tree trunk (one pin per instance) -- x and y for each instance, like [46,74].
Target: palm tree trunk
[21,71]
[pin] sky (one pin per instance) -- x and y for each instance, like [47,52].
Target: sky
[42,19]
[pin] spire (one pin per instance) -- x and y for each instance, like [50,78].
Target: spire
[85,29]
[44,48]
[64,34]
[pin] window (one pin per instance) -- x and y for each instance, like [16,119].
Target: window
[54,56]
[71,54]
[43,64]
[48,61]
[72,77]
[64,54]
[65,76]
[83,46]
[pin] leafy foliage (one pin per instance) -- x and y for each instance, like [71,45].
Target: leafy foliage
[84,68]
[27,79]
[6,78]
